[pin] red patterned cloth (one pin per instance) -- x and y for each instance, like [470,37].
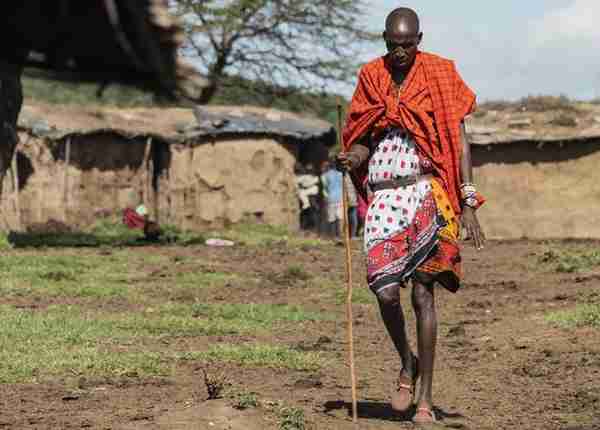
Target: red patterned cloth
[431,104]
[132,220]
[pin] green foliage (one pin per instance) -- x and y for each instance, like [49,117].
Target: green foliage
[57,92]
[569,261]
[296,272]
[582,315]
[286,43]
[246,401]
[291,419]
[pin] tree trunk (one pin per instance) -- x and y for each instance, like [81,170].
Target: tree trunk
[214,78]
[11,100]
[208,92]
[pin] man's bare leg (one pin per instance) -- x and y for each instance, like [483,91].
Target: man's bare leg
[424,306]
[393,318]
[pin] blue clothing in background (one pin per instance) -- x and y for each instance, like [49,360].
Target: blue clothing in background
[333,183]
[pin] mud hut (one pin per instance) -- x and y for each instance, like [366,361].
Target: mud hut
[195,169]
[538,168]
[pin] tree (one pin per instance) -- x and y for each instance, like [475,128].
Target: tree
[288,43]
[135,41]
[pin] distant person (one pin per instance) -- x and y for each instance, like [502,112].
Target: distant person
[139,219]
[352,206]
[308,193]
[405,135]
[332,181]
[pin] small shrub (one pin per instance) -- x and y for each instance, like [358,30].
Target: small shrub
[246,401]
[546,103]
[498,105]
[215,382]
[292,419]
[564,121]
[296,272]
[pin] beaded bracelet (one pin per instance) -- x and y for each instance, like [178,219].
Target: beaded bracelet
[470,196]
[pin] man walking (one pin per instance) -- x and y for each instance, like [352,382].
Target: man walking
[405,136]
[332,181]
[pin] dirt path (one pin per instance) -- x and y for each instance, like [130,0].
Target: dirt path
[500,365]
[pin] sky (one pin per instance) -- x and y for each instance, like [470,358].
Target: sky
[511,48]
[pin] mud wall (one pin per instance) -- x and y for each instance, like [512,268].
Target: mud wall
[215,184]
[534,191]
[104,174]
[210,184]
[540,191]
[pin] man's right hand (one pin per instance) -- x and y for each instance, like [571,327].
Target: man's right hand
[347,161]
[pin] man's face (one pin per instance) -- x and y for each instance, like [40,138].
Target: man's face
[402,41]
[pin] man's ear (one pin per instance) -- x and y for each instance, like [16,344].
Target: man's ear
[420,38]
[383,35]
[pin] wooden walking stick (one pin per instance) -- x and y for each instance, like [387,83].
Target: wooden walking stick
[348,273]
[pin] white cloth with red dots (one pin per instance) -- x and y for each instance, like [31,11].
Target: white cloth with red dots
[393,210]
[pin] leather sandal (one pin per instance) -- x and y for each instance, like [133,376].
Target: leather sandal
[424,416]
[402,398]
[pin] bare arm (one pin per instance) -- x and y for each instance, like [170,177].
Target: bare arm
[469,218]
[353,158]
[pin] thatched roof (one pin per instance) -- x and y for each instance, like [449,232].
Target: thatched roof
[172,125]
[515,123]
[182,125]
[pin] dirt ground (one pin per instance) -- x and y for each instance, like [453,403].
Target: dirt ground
[500,365]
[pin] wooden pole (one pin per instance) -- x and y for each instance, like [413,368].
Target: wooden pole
[348,274]
[146,181]
[66,179]
[14,168]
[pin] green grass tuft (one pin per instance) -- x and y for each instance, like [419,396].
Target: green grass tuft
[291,419]
[570,261]
[245,401]
[580,316]
[259,355]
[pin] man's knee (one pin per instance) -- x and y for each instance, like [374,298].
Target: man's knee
[422,297]
[389,296]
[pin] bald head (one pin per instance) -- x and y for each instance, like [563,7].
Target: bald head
[402,19]
[402,36]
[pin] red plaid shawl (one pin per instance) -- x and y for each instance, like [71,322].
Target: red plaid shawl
[431,104]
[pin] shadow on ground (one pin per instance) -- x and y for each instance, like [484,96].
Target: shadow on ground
[383,411]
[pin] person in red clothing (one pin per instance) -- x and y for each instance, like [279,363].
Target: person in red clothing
[405,139]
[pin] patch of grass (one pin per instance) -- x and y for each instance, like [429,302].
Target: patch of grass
[63,275]
[569,261]
[245,401]
[66,338]
[292,419]
[266,235]
[259,355]
[296,272]
[35,345]
[259,314]
[581,315]
[202,279]
[106,232]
